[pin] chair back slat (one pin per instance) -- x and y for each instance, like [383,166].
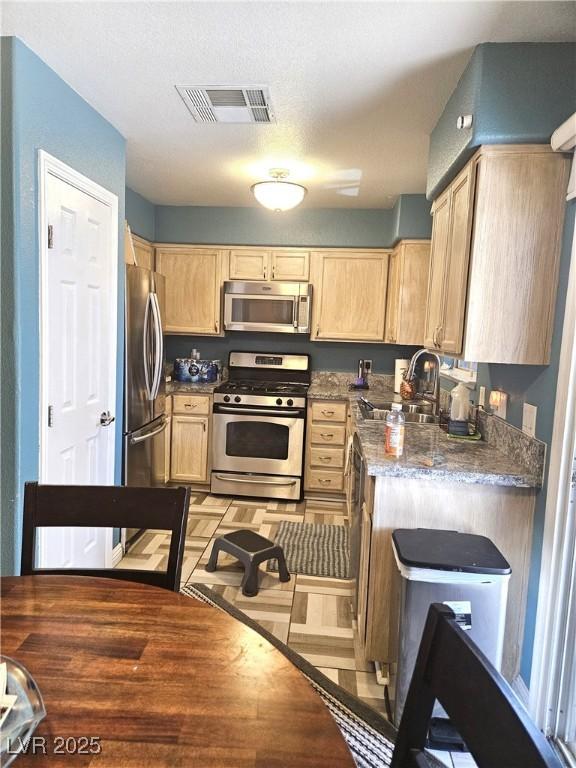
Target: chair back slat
[481,705]
[166,509]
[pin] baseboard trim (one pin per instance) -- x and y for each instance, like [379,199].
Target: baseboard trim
[117,554]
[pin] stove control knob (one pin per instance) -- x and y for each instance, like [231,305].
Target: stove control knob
[226,398]
[279,401]
[237,399]
[290,402]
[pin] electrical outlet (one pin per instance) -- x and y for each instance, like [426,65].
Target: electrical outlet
[368,366]
[482,397]
[529,419]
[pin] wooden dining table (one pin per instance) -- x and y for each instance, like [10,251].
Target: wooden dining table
[156,678]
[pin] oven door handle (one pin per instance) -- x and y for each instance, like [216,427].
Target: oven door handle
[252,480]
[254,411]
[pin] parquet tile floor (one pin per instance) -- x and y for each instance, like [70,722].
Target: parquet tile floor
[313,615]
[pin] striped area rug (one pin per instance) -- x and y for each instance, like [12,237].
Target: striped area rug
[314,550]
[370,738]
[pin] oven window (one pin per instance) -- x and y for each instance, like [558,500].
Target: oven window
[267,311]
[257,440]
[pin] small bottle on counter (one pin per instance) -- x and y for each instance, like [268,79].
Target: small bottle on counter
[395,421]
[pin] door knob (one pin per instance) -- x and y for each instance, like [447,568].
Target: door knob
[106,418]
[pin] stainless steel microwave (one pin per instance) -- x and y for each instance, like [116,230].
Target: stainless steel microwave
[268,307]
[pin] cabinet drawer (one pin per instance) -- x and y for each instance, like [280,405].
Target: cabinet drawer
[317,480]
[197,405]
[323,434]
[328,410]
[327,457]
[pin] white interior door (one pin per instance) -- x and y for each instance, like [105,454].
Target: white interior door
[78,353]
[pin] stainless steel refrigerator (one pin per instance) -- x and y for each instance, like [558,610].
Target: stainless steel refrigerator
[144,384]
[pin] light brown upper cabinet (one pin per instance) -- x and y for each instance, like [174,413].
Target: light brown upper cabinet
[496,241]
[407,290]
[349,299]
[144,252]
[249,265]
[292,266]
[137,250]
[193,288]
[262,264]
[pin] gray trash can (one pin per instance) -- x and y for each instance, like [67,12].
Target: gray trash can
[463,570]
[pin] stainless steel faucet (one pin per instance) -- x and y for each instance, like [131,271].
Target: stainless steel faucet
[428,386]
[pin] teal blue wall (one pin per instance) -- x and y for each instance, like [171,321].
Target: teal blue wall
[517,93]
[318,227]
[412,218]
[46,114]
[322,227]
[140,214]
[325,356]
[536,384]
[7,308]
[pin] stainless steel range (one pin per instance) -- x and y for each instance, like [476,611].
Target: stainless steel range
[259,419]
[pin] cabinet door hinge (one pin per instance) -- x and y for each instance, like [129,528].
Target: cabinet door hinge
[50,236]
[50,415]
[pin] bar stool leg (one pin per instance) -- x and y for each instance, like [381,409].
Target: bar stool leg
[213,559]
[283,571]
[250,580]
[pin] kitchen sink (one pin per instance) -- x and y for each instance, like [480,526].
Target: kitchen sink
[414,412]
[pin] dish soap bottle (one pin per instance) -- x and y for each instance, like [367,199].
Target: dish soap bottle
[395,421]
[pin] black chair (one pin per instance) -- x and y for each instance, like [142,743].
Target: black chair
[107,507]
[481,705]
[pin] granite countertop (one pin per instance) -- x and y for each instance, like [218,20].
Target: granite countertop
[182,387]
[429,454]
[326,386]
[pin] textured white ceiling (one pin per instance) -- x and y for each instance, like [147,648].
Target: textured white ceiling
[356,87]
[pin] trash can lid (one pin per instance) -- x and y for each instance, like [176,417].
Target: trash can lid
[448,551]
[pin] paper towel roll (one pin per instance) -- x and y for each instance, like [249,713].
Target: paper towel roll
[399,367]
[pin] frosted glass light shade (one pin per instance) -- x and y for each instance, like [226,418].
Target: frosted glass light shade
[278,195]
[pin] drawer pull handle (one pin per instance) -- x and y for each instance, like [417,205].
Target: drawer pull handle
[190,405]
[325,458]
[328,413]
[324,480]
[327,435]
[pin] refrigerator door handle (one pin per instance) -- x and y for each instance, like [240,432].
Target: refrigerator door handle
[145,349]
[148,435]
[158,346]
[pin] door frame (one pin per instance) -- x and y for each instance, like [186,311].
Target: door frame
[48,165]
[556,564]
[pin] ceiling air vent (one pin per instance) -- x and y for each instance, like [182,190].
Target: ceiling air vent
[227,104]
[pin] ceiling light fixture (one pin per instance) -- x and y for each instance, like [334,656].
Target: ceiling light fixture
[278,195]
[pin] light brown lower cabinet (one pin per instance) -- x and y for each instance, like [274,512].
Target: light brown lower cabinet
[189,455]
[503,514]
[168,450]
[325,446]
[364,569]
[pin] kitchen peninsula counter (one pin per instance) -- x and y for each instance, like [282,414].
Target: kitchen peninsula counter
[429,454]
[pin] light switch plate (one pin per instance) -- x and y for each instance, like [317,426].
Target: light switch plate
[482,397]
[368,366]
[529,419]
